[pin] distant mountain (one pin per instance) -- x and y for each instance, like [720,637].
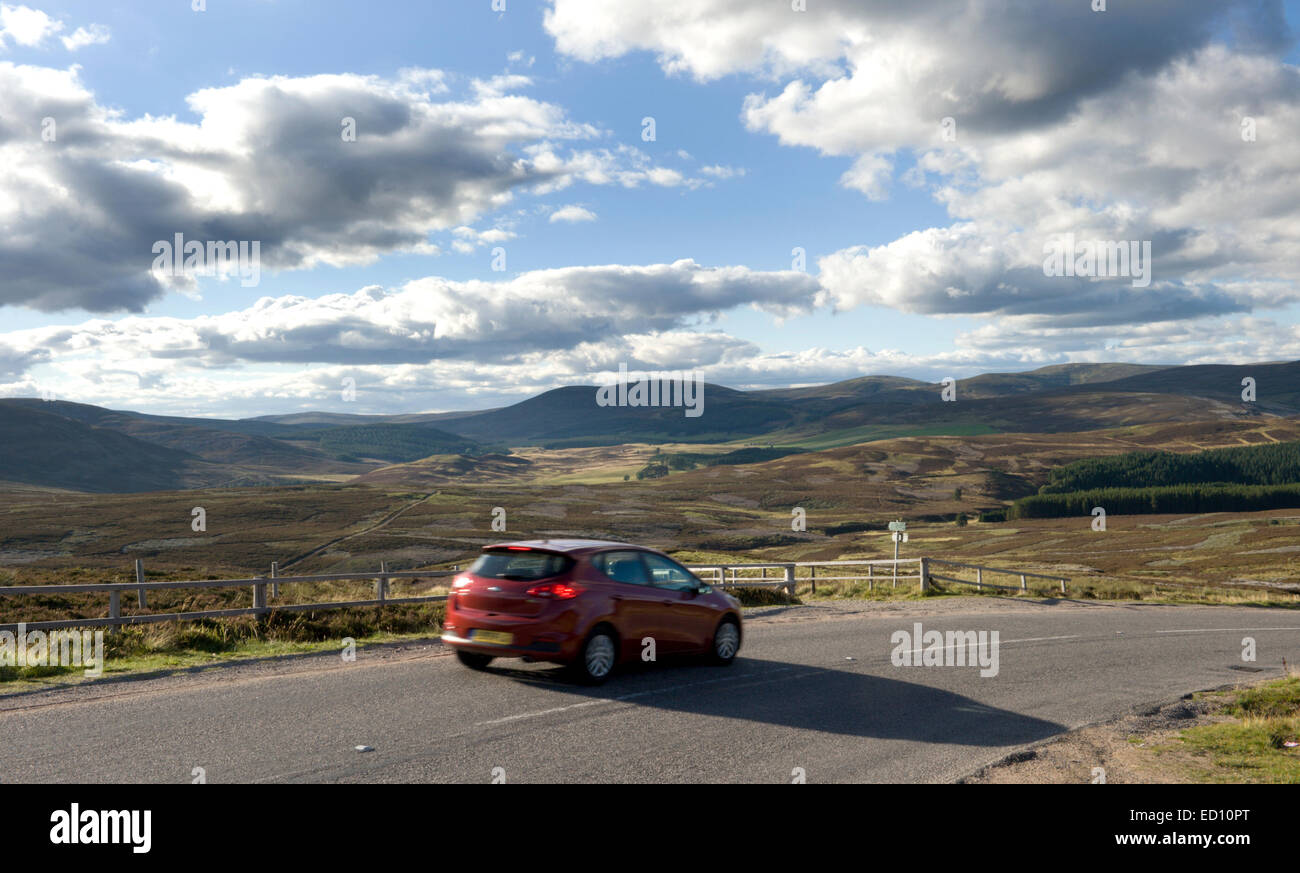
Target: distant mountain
[887,389]
[52,451]
[346,419]
[1057,376]
[318,419]
[71,445]
[1277,385]
[861,388]
[390,442]
[95,415]
[214,440]
[1061,397]
[289,449]
[570,416]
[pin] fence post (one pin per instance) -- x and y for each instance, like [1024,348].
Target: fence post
[925,573]
[1023,586]
[259,595]
[789,578]
[813,572]
[139,578]
[871,577]
[979,578]
[275,571]
[115,608]
[381,584]
[1062,586]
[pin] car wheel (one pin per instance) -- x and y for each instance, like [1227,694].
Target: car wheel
[726,642]
[473,660]
[598,657]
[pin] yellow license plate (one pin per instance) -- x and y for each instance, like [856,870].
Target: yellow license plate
[492,638]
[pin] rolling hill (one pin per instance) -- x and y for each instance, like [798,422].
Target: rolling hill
[150,451]
[51,451]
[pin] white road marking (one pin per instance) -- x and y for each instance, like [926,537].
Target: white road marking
[1001,643]
[1218,630]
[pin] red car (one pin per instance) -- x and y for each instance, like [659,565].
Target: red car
[588,604]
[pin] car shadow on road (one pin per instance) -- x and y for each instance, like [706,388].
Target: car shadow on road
[843,701]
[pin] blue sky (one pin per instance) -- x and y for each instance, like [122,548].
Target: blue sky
[927,268]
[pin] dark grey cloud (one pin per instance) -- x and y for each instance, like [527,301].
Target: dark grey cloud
[266,162]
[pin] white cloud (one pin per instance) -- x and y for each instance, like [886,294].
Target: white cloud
[439,344]
[469,239]
[870,174]
[435,318]
[96,34]
[536,330]
[26,26]
[722,171]
[572,213]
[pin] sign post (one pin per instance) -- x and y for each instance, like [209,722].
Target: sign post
[898,533]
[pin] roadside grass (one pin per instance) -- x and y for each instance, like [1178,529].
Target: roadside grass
[1252,746]
[163,661]
[1166,593]
[880,589]
[763,597]
[1160,594]
[174,646]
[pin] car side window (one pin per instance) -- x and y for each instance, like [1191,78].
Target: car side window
[622,567]
[669,574]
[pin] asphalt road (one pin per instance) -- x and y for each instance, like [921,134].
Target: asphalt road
[793,699]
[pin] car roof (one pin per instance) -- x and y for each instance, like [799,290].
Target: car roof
[569,546]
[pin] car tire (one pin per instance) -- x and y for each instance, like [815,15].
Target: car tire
[726,642]
[597,658]
[473,660]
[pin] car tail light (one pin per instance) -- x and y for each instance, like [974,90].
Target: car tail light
[556,590]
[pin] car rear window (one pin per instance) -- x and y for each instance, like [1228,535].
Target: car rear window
[519,566]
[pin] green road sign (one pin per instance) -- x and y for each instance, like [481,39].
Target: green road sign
[898,525]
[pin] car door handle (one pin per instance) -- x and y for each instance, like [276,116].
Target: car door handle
[669,602]
[616,597]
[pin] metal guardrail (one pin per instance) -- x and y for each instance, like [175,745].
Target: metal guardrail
[258,584]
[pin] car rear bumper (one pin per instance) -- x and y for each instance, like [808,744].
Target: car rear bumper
[553,635]
[540,646]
